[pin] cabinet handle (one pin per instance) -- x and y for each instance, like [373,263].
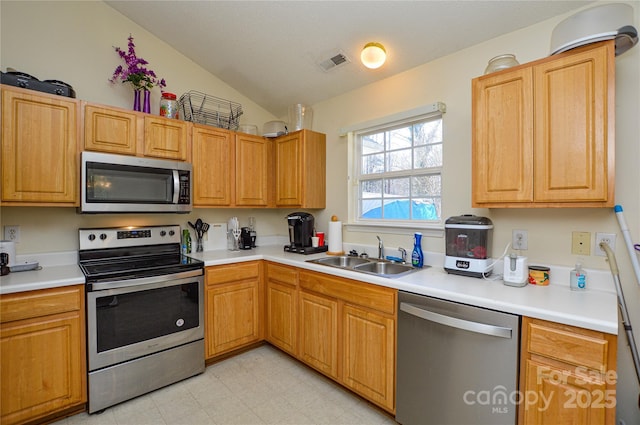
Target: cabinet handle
[454,322]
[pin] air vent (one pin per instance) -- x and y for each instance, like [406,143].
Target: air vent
[333,62]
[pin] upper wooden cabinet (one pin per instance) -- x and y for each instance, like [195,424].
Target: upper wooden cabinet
[543,132]
[40,134]
[213,166]
[231,169]
[253,165]
[300,160]
[114,130]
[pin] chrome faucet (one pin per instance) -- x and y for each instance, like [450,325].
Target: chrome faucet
[380,248]
[403,253]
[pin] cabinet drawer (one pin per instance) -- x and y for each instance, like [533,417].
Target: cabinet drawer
[26,305]
[282,274]
[363,294]
[571,345]
[231,272]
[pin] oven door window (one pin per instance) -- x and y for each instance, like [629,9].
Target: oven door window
[133,317]
[128,184]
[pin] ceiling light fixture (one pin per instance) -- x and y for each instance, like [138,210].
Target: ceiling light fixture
[373,55]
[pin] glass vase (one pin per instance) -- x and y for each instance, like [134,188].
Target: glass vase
[147,102]
[136,100]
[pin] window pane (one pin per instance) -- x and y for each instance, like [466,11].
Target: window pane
[371,189]
[424,209]
[426,186]
[396,187]
[428,156]
[372,143]
[397,209]
[399,160]
[400,138]
[372,164]
[428,132]
[371,208]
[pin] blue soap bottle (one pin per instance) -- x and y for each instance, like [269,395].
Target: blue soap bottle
[417,257]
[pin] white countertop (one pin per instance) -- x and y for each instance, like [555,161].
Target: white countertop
[596,308]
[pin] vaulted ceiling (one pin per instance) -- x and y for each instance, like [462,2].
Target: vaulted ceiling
[271,50]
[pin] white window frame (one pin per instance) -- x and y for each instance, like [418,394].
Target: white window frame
[430,228]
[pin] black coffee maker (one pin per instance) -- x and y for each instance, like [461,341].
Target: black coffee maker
[301,227]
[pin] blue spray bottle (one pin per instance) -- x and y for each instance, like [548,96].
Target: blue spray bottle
[417,257]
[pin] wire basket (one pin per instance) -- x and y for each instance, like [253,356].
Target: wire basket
[205,109]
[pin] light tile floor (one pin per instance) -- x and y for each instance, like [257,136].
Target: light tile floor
[261,386]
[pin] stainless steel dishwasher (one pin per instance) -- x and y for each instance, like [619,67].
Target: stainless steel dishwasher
[456,364]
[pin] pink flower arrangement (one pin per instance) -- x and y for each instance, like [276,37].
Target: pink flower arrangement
[135,71]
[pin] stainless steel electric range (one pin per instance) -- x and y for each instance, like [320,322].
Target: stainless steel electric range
[145,312]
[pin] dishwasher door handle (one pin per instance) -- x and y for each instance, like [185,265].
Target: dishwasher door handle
[454,322]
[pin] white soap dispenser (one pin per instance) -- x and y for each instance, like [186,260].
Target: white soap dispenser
[516,270]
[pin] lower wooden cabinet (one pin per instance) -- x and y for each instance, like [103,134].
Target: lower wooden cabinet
[348,332]
[319,332]
[233,307]
[567,375]
[43,354]
[368,354]
[282,307]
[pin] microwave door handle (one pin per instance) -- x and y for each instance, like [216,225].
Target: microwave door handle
[176,187]
[454,322]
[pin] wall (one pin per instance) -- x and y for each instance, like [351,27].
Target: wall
[72,41]
[449,80]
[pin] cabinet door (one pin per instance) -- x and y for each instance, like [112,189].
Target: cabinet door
[289,173]
[319,333]
[110,130]
[252,170]
[573,110]
[39,149]
[559,396]
[282,311]
[369,355]
[42,353]
[300,170]
[213,166]
[165,138]
[233,316]
[502,145]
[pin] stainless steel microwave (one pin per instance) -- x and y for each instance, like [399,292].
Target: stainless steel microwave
[129,184]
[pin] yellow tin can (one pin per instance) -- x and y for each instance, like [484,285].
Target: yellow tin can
[539,275]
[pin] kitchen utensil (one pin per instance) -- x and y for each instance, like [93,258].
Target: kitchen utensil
[234,233]
[200,228]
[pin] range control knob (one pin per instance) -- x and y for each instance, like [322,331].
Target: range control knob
[92,237]
[103,236]
[163,233]
[171,233]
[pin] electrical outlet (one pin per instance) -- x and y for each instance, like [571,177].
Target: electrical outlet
[609,238]
[12,233]
[519,239]
[581,243]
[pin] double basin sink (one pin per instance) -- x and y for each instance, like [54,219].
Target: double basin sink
[374,266]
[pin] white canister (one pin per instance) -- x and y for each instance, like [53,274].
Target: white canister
[9,247]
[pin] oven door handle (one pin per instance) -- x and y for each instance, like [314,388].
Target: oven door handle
[98,286]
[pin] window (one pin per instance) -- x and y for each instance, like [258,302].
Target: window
[398,170]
